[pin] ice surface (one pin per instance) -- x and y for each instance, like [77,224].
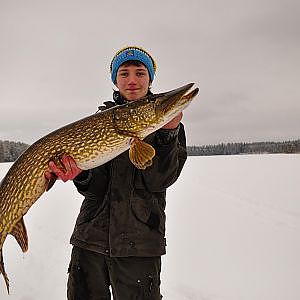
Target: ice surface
[233,233]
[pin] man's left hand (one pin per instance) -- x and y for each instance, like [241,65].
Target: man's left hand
[69,172]
[174,122]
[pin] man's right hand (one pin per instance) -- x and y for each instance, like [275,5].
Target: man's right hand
[70,169]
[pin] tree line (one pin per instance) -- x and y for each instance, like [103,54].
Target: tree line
[245,148]
[10,151]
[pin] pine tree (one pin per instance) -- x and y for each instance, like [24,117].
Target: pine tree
[1,152]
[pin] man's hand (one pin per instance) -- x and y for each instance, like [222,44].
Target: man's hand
[70,169]
[174,122]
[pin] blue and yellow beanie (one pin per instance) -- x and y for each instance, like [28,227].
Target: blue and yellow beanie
[132,53]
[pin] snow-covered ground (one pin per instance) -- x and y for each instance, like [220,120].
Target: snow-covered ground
[233,232]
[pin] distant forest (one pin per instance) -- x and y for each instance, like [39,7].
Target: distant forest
[245,148]
[10,151]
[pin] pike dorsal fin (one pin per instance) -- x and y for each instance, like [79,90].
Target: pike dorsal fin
[141,153]
[20,234]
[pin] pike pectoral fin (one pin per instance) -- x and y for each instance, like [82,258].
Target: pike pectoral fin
[2,271]
[141,153]
[51,181]
[20,233]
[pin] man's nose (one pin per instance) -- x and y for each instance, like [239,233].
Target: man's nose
[132,79]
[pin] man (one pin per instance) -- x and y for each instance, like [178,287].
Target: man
[119,235]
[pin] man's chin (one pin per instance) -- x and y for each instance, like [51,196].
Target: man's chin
[132,96]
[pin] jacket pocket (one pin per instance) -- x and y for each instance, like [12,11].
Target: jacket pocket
[148,209]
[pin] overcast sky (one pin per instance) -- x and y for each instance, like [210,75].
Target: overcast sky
[244,56]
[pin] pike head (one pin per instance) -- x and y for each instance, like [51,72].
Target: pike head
[141,117]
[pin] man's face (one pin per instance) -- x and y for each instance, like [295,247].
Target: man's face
[133,81]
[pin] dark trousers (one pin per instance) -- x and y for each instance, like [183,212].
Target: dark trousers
[131,278]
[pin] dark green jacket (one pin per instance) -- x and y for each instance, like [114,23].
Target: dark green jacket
[123,213]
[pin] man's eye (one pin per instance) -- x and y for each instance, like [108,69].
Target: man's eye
[124,74]
[140,74]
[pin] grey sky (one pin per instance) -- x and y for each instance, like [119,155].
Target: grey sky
[244,56]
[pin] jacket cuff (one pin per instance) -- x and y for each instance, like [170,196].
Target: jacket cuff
[166,136]
[83,178]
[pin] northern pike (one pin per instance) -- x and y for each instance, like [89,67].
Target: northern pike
[91,142]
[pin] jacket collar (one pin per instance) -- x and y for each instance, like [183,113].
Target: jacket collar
[119,100]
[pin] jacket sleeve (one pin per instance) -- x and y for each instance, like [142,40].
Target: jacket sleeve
[82,181]
[169,159]
[93,183]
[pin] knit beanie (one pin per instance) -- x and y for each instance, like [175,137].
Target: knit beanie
[132,53]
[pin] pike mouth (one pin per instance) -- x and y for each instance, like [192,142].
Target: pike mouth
[173,102]
[188,96]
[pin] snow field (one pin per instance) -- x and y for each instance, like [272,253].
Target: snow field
[233,233]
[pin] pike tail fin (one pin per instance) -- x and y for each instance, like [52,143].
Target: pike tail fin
[20,233]
[2,271]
